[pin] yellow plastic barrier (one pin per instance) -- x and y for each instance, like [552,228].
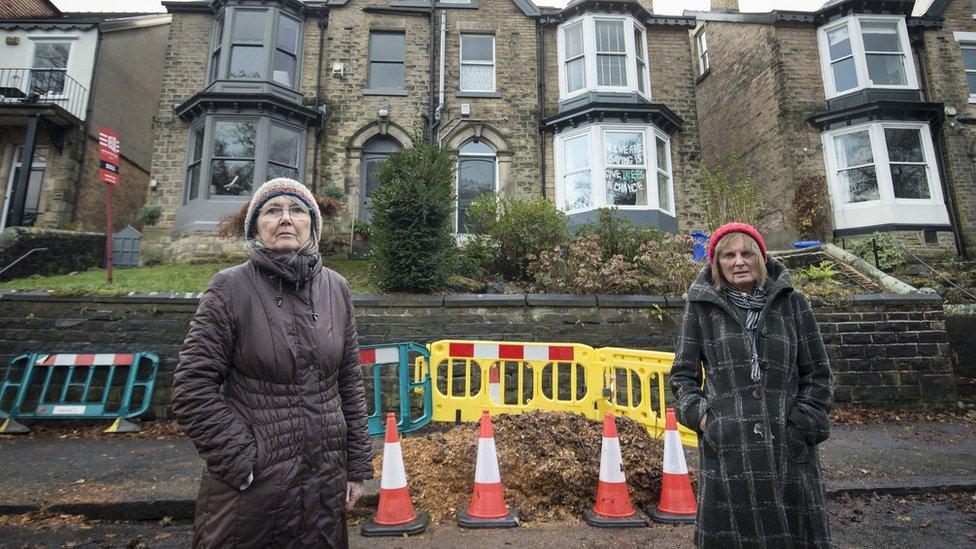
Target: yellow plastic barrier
[470,376]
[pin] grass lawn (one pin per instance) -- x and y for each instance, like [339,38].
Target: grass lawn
[166,278]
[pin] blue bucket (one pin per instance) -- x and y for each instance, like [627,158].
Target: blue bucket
[800,244]
[699,246]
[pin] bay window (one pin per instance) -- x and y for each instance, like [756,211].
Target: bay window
[602,53]
[865,51]
[607,165]
[256,43]
[883,173]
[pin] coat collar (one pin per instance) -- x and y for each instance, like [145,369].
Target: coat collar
[777,282]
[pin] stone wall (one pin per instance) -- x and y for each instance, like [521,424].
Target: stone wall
[885,351]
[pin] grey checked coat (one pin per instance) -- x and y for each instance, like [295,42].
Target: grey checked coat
[760,483]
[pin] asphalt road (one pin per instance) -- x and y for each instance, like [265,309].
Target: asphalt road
[932,521]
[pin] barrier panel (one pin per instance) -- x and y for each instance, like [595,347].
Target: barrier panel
[79,386]
[510,377]
[394,360]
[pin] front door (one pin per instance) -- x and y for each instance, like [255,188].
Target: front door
[375,154]
[33,194]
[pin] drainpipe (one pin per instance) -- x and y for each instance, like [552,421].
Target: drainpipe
[430,71]
[323,23]
[941,157]
[85,124]
[439,113]
[541,56]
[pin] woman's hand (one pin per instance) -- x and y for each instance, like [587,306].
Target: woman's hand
[354,491]
[701,424]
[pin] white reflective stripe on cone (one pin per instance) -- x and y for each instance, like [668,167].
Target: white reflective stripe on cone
[495,392]
[536,352]
[388,355]
[487,469]
[611,467]
[393,474]
[485,350]
[104,359]
[64,360]
[674,458]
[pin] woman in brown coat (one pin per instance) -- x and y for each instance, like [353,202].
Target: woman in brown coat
[270,390]
[762,410]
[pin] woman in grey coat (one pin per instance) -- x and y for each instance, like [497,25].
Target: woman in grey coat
[763,406]
[270,390]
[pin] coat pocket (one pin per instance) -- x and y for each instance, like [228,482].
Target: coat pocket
[799,449]
[708,441]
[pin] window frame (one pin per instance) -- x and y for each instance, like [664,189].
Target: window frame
[457,180]
[597,166]
[34,41]
[403,61]
[882,165]
[634,76]
[854,29]
[967,41]
[701,47]
[222,46]
[492,64]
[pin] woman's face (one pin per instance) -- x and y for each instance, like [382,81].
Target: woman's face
[738,264]
[283,225]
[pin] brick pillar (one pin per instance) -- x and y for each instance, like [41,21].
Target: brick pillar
[725,5]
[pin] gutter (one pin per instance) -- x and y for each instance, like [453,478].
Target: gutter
[431,65]
[323,23]
[439,113]
[541,68]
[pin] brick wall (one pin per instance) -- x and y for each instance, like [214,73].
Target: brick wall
[127,197]
[884,351]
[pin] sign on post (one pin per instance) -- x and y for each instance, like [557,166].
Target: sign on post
[108,173]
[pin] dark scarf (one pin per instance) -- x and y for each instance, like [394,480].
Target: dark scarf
[753,305]
[289,268]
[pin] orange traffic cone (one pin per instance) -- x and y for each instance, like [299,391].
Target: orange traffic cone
[488,509]
[677,500]
[494,385]
[395,515]
[613,507]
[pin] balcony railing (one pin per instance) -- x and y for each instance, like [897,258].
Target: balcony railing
[43,87]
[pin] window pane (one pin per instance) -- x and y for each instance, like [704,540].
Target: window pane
[275,170]
[845,75]
[626,187]
[214,65]
[218,34]
[624,149]
[477,78]
[386,75]
[574,40]
[577,153]
[969,58]
[47,81]
[575,76]
[909,181]
[853,149]
[640,76]
[839,42]
[476,176]
[639,43]
[662,155]
[249,26]
[231,177]
[287,37]
[385,46]
[610,36]
[663,191]
[880,37]
[197,144]
[971,78]
[859,184]
[577,191]
[284,146]
[888,70]
[611,70]
[476,147]
[904,145]
[193,182]
[246,61]
[477,47]
[51,55]
[283,70]
[234,139]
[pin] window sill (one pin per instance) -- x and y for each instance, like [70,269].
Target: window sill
[702,76]
[494,95]
[972,99]
[375,91]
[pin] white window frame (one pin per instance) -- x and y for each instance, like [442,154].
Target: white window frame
[597,166]
[462,62]
[701,44]
[967,41]
[457,183]
[887,209]
[590,54]
[70,41]
[853,24]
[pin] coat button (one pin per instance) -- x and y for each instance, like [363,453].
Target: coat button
[757,394]
[764,332]
[758,429]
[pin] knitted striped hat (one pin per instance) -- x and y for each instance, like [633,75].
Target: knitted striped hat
[282,186]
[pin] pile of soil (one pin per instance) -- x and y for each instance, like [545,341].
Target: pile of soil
[549,464]
[852,414]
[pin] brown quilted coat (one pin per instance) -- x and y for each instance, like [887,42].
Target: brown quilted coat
[269,382]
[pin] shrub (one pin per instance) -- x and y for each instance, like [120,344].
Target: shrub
[665,265]
[475,257]
[617,235]
[809,214]
[889,256]
[724,199]
[149,214]
[333,191]
[363,229]
[824,271]
[515,229]
[154,256]
[413,241]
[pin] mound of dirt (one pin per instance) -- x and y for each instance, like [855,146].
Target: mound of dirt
[549,464]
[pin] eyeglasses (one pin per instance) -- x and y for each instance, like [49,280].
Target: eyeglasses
[276,212]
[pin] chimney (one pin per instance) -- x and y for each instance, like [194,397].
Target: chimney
[725,5]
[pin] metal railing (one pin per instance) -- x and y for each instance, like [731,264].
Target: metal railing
[43,87]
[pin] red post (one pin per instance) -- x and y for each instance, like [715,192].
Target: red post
[108,232]
[108,173]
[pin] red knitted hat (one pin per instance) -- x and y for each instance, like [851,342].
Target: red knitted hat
[735,227]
